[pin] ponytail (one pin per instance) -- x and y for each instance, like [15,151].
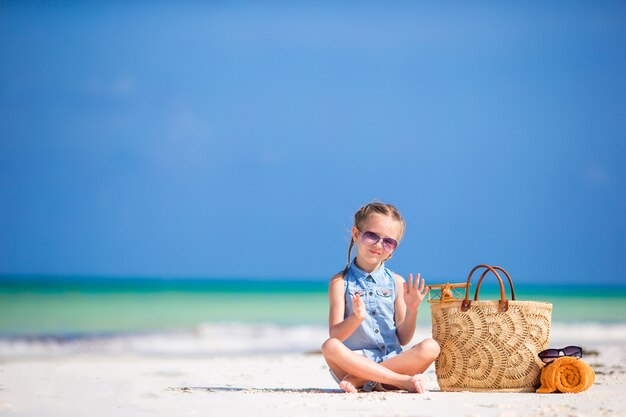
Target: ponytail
[345,271]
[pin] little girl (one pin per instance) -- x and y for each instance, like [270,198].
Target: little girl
[373,311]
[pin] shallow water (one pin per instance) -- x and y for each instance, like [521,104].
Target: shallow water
[74,305]
[48,317]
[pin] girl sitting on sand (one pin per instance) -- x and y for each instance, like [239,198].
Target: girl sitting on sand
[373,311]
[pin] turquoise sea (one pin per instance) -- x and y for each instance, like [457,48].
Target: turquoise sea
[75,305]
[43,314]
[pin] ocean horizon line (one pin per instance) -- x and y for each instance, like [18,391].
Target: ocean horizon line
[47,277]
[13,283]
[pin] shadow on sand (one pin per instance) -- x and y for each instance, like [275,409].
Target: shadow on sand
[257,390]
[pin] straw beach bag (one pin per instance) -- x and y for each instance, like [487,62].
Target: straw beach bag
[489,345]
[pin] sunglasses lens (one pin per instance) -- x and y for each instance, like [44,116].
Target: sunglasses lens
[370,238]
[389,244]
[549,355]
[574,351]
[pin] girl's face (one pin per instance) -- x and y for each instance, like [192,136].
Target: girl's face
[370,257]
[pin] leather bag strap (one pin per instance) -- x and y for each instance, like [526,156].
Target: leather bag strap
[503,304]
[483,276]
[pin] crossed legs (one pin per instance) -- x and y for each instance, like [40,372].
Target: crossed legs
[402,371]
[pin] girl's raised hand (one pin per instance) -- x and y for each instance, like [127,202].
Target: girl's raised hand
[414,294]
[358,306]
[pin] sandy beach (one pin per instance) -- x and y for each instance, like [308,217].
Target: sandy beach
[284,384]
[194,195]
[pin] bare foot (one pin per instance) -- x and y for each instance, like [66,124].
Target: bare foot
[415,384]
[347,387]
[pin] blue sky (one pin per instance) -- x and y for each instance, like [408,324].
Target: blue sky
[237,140]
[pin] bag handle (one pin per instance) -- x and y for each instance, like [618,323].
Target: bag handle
[483,276]
[503,304]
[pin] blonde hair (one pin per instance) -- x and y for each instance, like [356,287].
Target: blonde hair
[363,214]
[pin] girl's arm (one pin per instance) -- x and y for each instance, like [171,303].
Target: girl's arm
[407,304]
[338,327]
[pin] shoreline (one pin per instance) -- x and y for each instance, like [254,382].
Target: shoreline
[240,339]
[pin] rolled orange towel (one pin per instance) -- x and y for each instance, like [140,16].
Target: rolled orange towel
[566,374]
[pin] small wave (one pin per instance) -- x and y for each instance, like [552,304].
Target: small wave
[588,332]
[242,338]
[205,339]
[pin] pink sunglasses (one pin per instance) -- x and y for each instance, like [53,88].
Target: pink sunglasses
[370,238]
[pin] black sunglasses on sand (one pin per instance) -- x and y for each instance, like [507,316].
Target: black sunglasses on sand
[550,355]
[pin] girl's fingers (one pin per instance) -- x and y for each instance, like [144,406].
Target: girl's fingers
[417,279]
[421,288]
[359,301]
[405,288]
[410,280]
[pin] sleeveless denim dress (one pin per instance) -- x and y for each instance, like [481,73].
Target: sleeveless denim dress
[376,335]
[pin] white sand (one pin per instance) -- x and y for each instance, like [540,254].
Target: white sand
[266,385]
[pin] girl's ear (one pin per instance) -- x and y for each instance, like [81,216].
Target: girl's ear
[355,233]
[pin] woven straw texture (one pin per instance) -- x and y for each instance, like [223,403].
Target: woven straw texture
[486,350]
